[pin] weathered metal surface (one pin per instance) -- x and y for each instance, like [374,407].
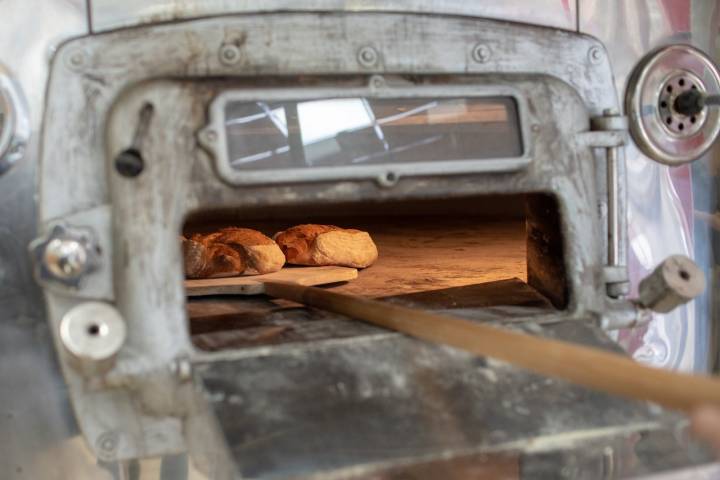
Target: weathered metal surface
[369,405]
[35,415]
[90,74]
[109,14]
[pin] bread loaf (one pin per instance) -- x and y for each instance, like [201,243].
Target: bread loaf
[231,251]
[327,245]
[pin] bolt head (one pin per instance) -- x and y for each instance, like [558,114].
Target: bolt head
[65,258]
[229,54]
[368,56]
[481,53]
[595,55]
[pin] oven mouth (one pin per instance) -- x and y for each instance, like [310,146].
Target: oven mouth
[485,258]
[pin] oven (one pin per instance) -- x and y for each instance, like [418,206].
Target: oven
[487,160]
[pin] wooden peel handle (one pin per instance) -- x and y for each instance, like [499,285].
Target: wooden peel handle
[590,367]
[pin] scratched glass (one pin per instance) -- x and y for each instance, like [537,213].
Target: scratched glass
[364,131]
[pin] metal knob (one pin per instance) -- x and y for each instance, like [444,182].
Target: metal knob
[92,333]
[674,282]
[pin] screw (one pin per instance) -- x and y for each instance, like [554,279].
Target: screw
[377,82]
[481,53]
[367,56]
[229,54]
[182,369]
[595,55]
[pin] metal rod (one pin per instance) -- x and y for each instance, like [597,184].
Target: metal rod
[612,204]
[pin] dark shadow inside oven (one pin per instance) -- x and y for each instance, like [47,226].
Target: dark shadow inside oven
[487,258]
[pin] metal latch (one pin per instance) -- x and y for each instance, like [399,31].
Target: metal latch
[615,272]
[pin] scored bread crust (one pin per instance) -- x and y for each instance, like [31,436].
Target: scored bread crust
[313,244]
[231,251]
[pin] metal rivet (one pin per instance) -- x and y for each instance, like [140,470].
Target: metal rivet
[107,444]
[229,54]
[595,55]
[377,82]
[76,59]
[481,53]
[367,56]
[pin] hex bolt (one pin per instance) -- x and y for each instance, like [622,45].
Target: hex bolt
[481,53]
[229,54]
[674,282]
[595,55]
[368,57]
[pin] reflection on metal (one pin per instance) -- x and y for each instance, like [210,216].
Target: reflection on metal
[333,134]
[661,132]
[14,122]
[93,333]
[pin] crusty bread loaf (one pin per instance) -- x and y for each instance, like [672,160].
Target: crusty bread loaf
[327,245]
[231,251]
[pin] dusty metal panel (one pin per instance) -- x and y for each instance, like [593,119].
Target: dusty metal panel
[668,208]
[326,410]
[110,14]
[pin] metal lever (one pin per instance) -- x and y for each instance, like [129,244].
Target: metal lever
[693,102]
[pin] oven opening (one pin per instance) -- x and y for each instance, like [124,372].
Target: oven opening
[484,258]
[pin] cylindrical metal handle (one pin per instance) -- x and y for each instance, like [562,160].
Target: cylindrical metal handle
[676,281]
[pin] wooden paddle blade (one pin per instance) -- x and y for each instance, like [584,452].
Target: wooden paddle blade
[254,285]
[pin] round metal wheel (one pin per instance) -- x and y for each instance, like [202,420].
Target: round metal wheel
[660,131]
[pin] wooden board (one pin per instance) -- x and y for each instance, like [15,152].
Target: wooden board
[253,285]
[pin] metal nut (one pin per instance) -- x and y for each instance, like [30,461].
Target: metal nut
[368,57]
[481,53]
[92,333]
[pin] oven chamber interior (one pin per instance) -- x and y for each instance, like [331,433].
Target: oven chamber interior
[160,395]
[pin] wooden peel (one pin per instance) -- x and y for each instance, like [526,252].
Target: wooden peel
[590,367]
[255,284]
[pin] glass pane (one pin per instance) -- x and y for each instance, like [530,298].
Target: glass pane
[363,131]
